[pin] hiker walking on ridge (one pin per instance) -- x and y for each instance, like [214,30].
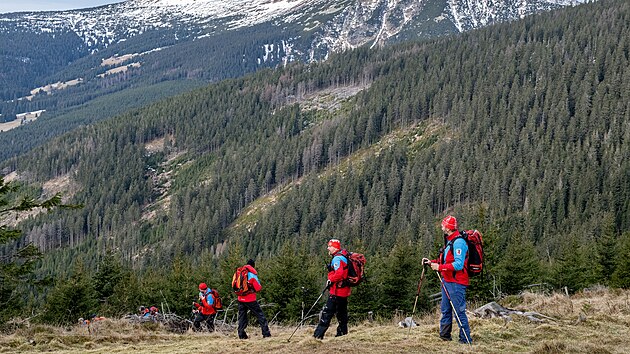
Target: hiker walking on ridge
[205,311]
[451,264]
[338,292]
[246,284]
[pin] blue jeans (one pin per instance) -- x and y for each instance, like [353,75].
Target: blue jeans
[458,297]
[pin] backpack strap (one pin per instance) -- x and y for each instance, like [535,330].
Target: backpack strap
[340,253]
[345,254]
[451,244]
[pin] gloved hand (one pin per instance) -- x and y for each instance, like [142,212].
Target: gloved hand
[328,284]
[426,261]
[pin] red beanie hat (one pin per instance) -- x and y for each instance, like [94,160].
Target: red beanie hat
[334,243]
[203,287]
[450,222]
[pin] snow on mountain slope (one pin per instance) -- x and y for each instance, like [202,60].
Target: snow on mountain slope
[469,14]
[104,25]
[355,22]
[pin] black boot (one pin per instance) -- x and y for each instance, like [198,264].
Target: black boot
[445,332]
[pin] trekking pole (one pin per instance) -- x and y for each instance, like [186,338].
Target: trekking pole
[424,268]
[448,296]
[309,311]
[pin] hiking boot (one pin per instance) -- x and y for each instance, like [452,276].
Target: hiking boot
[445,331]
[267,336]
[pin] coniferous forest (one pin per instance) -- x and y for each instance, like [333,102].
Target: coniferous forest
[521,130]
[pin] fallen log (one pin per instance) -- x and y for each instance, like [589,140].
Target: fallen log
[492,310]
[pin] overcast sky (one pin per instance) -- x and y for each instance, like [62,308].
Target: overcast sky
[49,5]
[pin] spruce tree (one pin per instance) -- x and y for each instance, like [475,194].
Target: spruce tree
[621,276]
[71,299]
[290,282]
[109,273]
[17,261]
[519,266]
[578,267]
[401,273]
[126,297]
[607,247]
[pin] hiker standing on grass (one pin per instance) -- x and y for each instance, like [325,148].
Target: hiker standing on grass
[338,293]
[247,301]
[451,264]
[205,311]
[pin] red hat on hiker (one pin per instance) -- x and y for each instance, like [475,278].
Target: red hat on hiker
[203,287]
[334,243]
[450,223]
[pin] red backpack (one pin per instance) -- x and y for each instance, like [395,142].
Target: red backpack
[217,299]
[475,251]
[356,268]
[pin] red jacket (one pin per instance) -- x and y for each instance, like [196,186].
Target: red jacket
[337,273]
[207,304]
[252,280]
[453,265]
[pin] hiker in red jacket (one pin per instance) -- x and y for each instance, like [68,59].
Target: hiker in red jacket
[248,302]
[338,293]
[205,311]
[451,264]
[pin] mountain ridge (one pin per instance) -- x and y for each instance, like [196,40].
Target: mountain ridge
[41,48]
[104,25]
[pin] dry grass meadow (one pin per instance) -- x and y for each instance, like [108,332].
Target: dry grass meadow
[595,322]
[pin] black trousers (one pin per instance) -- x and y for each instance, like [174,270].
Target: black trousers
[208,319]
[254,307]
[335,305]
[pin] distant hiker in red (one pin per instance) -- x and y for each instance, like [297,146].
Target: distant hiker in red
[451,264]
[247,298]
[144,311]
[205,311]
[338,293]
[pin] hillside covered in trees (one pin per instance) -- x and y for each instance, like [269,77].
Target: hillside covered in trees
[520,129]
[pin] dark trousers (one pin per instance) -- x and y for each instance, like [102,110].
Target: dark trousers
[254,307]
[208,319]
[335,305]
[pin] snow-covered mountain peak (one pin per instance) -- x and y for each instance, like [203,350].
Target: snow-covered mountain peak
[244,12]
[103,25]
[333,25]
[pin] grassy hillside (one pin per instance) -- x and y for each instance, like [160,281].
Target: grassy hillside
[603,328]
